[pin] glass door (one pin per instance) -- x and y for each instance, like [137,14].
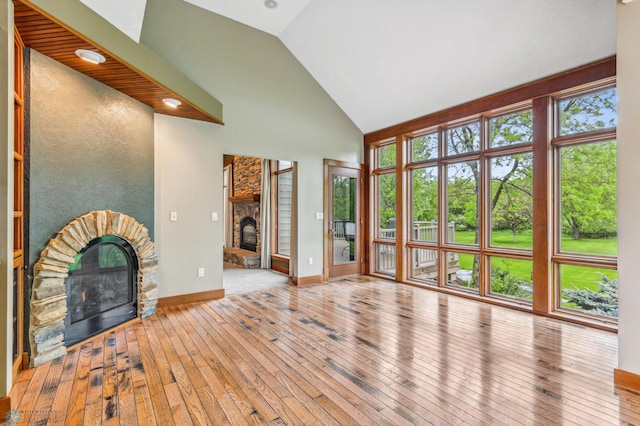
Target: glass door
[343,221]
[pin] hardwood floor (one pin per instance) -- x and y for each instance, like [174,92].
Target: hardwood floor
[353,351]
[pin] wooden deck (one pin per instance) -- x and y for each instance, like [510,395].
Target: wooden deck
[353,351]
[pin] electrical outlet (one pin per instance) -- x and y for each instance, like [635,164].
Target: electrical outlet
[311,261]
[200,272]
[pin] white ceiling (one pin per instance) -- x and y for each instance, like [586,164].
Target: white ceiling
[254,13]
[384,62]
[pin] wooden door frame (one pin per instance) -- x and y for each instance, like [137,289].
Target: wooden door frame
[327,205]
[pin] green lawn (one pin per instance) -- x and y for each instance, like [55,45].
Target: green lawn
[571,276]
[524,240]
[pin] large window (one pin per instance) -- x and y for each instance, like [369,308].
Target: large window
[586,216]
[384,188]
[283,175]
[516,203]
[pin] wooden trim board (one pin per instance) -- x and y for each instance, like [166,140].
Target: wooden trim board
[626,379]
[588,73]
[5,406]
[181,299]
[314,279]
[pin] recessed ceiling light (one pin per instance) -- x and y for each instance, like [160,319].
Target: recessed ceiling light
[625,1]
[271,4]
[90,56]
[173,103]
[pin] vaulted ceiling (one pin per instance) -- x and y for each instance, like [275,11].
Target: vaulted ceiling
[385,62]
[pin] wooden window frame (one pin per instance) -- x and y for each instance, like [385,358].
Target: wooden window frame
[539,96]
[279,257]
[559,257]
[20,359]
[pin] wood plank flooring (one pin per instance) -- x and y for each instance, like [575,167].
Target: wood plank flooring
[353,351]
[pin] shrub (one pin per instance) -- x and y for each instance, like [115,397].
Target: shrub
[603,302]
[502,282]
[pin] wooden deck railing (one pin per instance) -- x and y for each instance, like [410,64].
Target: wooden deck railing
[421,231]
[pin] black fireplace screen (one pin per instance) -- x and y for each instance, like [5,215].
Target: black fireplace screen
[101,288]
[248,234]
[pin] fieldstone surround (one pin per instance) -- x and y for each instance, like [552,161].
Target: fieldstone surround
[240,211]
[49,299]
[247,175]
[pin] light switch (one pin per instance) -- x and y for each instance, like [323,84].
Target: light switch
[319,215]
[214,216]
[174,216]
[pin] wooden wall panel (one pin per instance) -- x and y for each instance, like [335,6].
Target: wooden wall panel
[57,42]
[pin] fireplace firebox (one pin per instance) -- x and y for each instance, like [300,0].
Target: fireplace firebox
[99,271]
[248,234]
[101,288]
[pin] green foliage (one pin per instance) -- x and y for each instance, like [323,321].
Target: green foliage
[588,190]
[344,198]
[425,194]
[424,147]
[462,194]
[465,138]
[602,302]
[387,155]
[508,284]
[589,112]
[512,193]
[387,198]
[511,129]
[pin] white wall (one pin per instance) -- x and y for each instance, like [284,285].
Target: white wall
[6,194]
[188,184]
[628,185]
[272,109]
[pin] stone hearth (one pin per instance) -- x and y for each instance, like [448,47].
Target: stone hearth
[49,299]
[245,258]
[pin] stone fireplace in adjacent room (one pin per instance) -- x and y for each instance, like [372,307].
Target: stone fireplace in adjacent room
[248,234]
[245,251]
[97,272]
[244,245]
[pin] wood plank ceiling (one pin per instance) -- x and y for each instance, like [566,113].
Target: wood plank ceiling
[57,42]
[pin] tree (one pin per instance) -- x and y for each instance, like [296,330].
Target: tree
[588,189]
[512,193]
[511,176]
[588,171]
[386,185]
[386,199]
[589,112]
[513,211]
[343,198]
[425,194]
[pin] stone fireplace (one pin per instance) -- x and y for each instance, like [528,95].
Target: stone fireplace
[248,234]
[246,219]
[97,272]
[245,251]
[244,248]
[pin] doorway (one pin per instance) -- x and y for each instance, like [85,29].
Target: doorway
[258,220]
[343,224]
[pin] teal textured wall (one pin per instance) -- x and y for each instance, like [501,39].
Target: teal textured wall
[91,148]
